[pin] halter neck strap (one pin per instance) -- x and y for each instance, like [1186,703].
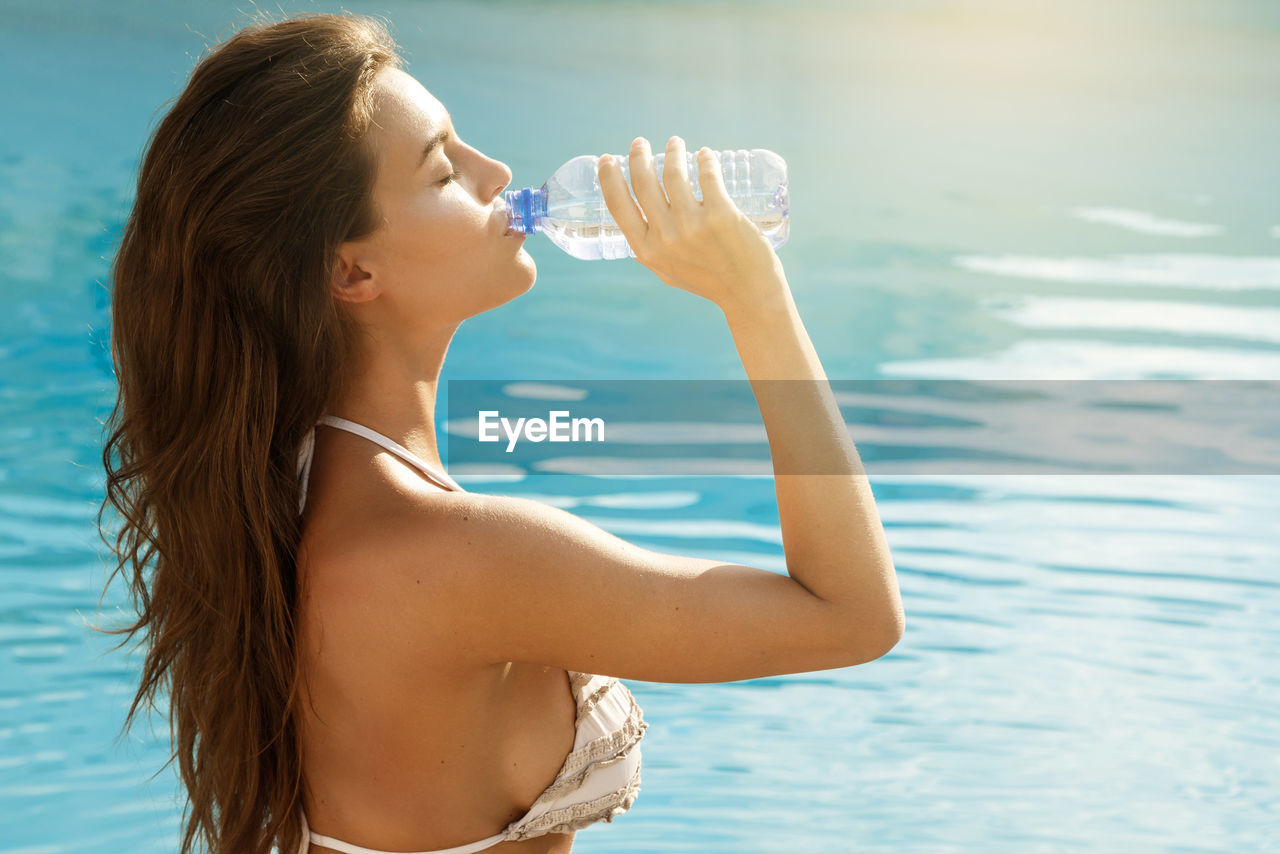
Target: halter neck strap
[435,475]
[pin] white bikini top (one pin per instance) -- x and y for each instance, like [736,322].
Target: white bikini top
[598,781]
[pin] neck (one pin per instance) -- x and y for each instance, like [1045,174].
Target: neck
[393,390]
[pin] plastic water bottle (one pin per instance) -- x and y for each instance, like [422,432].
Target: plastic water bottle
[570,208]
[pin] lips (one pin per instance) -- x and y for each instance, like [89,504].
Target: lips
[503,214]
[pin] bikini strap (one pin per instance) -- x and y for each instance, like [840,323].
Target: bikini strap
[310,836]
[433,474]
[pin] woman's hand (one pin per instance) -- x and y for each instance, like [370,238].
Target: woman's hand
[708,247]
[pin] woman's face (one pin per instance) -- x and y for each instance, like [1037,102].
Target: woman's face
[439,254]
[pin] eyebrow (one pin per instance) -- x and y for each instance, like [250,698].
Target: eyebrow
[432,144]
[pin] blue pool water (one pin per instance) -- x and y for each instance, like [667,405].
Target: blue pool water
[989,189]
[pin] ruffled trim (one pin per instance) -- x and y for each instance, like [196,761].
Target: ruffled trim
[609,749]
[585,705]
[575,817]
[604,749]
[578,681]
[600,753]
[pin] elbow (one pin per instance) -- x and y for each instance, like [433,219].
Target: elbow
[882,648]
[873,630]
[892,639]
[896,629]
[895,625]
[883,642]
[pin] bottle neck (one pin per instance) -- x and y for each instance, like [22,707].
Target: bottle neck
[526,208]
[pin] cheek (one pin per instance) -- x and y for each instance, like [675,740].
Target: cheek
[442,243]
[446,224]
[425,235]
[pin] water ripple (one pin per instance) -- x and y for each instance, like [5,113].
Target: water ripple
[1145,223]
[1209,272]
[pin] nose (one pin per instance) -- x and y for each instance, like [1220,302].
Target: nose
[505,178]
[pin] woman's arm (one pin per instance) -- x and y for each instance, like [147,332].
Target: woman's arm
[491,579]
[831,532]
[832,535]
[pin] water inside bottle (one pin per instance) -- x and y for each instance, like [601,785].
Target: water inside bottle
[596,237]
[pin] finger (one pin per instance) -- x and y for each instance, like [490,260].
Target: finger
[618,199]
[711,179]
[675,175]
[644,182]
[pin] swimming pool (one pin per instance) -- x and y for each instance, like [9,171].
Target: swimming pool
[1064,190]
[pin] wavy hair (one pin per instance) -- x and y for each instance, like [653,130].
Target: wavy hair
[227,346]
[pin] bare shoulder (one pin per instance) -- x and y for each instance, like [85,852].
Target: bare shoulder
[384,569]
[365,576]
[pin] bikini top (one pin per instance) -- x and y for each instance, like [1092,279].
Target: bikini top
[600,777]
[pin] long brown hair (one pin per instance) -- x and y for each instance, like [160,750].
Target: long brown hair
[227,347]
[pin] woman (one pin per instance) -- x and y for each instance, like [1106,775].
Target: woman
[360,655]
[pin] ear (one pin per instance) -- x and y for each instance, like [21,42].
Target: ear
[352,282]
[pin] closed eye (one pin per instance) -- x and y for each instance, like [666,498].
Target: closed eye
[452,176]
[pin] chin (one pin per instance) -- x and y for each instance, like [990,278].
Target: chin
[526,282]
[513,286]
